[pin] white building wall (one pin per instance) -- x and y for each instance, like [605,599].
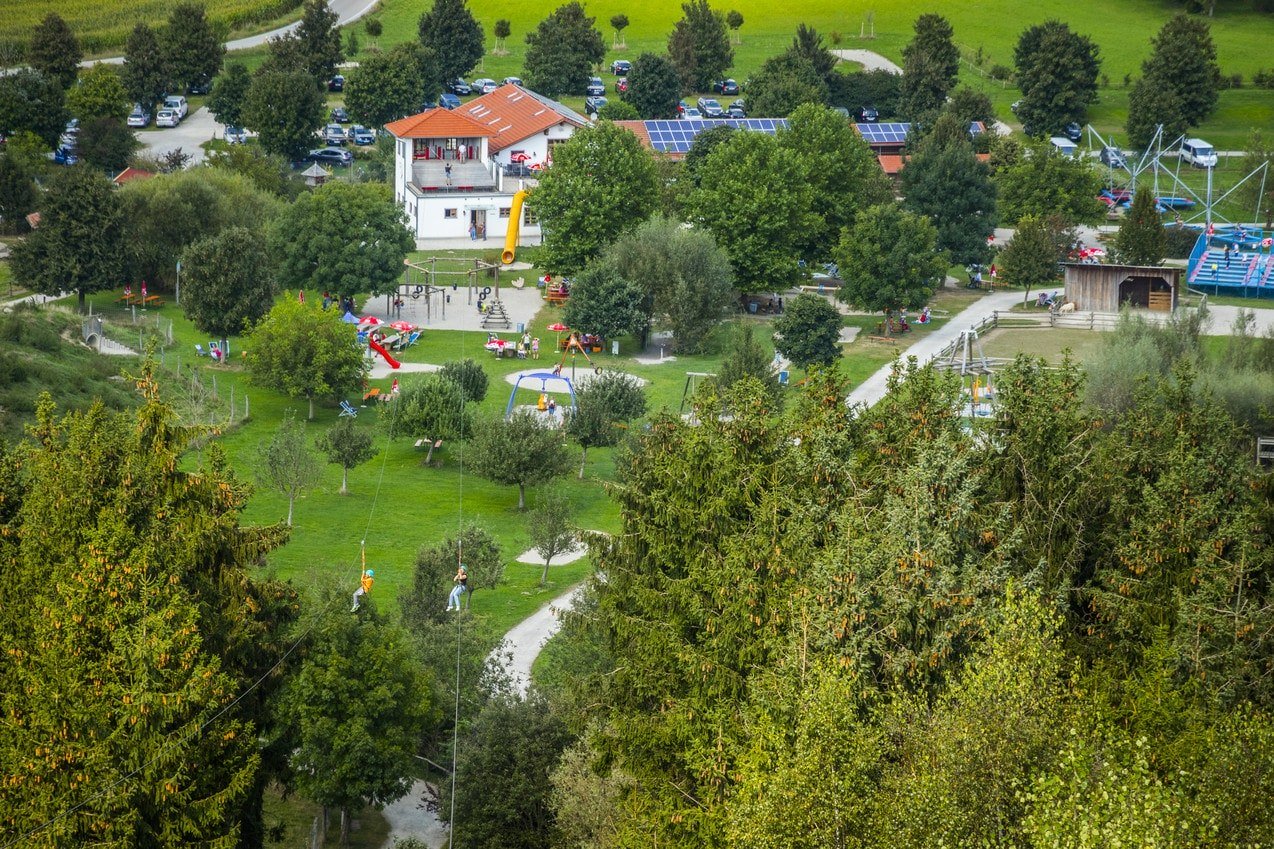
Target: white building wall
[537,146]
[449,216]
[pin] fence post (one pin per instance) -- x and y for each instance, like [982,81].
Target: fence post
[1092,320]
[246,412]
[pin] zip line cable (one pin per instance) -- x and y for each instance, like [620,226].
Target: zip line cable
[163,748]
[455,723]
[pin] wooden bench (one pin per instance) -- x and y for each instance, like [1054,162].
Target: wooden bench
[425,443]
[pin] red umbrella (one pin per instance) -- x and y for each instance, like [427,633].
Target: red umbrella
[369,321]
[558,327]
[403,326]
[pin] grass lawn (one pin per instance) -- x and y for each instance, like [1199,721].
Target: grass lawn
[1049,343]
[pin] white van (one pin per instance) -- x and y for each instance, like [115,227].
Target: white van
[1198,153]
[177,104]
[1063,145]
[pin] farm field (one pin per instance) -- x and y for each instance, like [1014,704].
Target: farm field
[102,25]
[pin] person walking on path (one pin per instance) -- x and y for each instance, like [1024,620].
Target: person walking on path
[535,348]
[473,232]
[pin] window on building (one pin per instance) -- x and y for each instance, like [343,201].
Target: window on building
[529,216]
[449,213]
[506,211]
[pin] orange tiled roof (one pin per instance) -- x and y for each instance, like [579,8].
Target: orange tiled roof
[438,124]
[890,164]
[513,113]
[129,174]
[638,129]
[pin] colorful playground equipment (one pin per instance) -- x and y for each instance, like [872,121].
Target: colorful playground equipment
[573,346]
[544,404]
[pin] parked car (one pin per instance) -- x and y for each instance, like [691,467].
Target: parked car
[178,104]
[236,135]
[166,118]
[200,87]
[1014,106]
[459,86]
[593,104]
[1113,157]
[682,106]
[330,156]
[448,101]
[868,115]
[621,67]
[621,85]
[139,117]
[1073,131]
[336,83]
[518,169]
[486,85]
[737,109]
[710,107]
[511,81]
[725,87]
[1198,153]
[362,135]
[340,116]
[72,127]
[595,87]
[691,112]
[334,135]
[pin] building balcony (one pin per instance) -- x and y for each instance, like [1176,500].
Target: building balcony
[430,177]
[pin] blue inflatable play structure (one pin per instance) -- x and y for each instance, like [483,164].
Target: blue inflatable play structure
[1233,260]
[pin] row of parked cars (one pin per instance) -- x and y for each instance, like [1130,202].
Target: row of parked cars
[170,114]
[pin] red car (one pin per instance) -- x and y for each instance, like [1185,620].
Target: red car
[621,85]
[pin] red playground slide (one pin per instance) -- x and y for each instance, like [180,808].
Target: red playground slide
[378,348]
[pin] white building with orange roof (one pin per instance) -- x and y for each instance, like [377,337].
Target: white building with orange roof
[456,171]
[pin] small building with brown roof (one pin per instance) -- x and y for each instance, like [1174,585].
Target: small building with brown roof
[456,170]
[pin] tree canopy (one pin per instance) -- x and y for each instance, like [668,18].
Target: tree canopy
[31,102]
[783,83]
[229,93]
[193,48]
[945,182]
[808,332]
[100,94]
[342,238]
[518,451]
[1057,71]
[1183,67]
[228,284]
[146,76]
[454,35]
[602,184]
[318,40]
[304,351]
[606,404]
[562,50]
[1029,259]
[890,260]
[387,86]
[55,51]
[284,109]
[653,87]
[699,46]
[79,245]
[931,62]
[1140,240]
[1045,182]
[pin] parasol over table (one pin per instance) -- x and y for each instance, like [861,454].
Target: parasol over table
[402,326]
[370,321]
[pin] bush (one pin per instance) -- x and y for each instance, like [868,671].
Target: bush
[1179,240]
[1001,72]
[1263,78]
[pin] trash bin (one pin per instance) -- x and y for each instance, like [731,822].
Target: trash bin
[521,327]
[752,307]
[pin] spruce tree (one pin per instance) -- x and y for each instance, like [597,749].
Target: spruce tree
[1141,240]
[931,62]
[320,40]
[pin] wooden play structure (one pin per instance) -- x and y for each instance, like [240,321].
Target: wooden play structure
[421,279]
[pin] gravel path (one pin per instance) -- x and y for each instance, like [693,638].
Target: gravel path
[871,61]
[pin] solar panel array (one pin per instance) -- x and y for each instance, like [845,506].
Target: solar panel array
[677,136]
[884,133]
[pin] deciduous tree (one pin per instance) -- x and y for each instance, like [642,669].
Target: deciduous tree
[193,48]
[562,50]
[761,224]
[1184,62]
[55,51]
[434,568]
[1149,105]
[889,261]
[471,376]
[945,181]
[358,706]
[653,87]
[319,40]
[146,77]
[342,238]
[699,46]
[782,84]
[931,62]
[619,23]
[347,446]
[552,532]
[1029,259]
[604,407]
[605,303]
[17,194]
[31,102]
[229,93]
[454,35]
[430,407]
[305,352]
[107,144]
[1045,183]
[501,30]
[79,245]
[285,463]
[100,94]
[284,109]
[808,331]
[228,282]
[387,86]
[734,20]
[518,451]
[602,184]
[1057,73]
